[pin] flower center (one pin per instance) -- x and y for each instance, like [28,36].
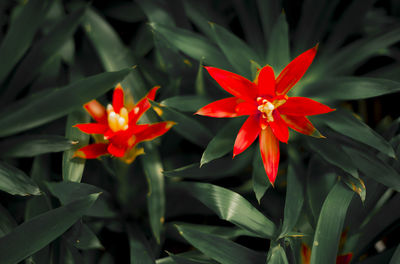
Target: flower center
[117,122]
[267,108]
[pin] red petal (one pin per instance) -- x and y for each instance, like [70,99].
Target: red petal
[302,106]
[116,151]
[301,124]
[246,108]
[153,131]
[266,81]
[279,128]
[221,108]
[234,83]
[92,128]
[293,72]
[269,147]
[344,259]
[142,106]
[97,111]
[91,151]
[118,98]
[247,134]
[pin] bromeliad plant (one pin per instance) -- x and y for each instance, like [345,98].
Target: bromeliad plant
[271,110]
[335,199]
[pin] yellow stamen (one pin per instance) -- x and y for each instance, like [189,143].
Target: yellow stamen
[113,121]
[117,122]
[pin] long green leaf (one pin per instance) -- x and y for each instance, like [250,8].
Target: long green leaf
[43,52]
[16,182]
[349,88]
[83,238]
[259,176]
[152,166]
[53,104]
[186,103]
[277,255]
[193,45]
[232,207]
[30,146]
[278,54]
[236,51]
[140,251]
[186,126]
[7,222]
[72,169]
[222,250]
[15,44]
[268,12]
[36,233]
[330,224]
[223,142]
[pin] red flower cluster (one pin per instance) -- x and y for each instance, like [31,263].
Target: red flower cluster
[270,110]
[118,128]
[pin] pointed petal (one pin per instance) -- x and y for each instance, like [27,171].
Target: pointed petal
[234,83]
[97,111]
[247,108]
[344,259]
[302,125]
[247,134]
[115,150]
[293,72]
[131,154]
[269,147]
[92,128]
[153,131]
[221,108]
[302,106]
[142,106]
[279,128]
[91,151]
[266,81]
[118,98]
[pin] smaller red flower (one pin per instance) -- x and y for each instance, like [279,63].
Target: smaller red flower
[270,110]
[116,130]
[306,256]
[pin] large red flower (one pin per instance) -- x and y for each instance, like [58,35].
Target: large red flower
[270,110]
[116,130]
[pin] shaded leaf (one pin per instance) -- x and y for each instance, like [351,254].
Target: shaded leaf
[259,176]
[82,237]
[7,222]
[277,255]
[186,103]
[36,233]
[16,182]
[140,251]
[125,11]
[53,104]
[278,54]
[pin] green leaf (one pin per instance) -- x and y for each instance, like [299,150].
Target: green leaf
[193,45]
[30,146]
[232,207]
[187,127]
[259,176]
[53,104]
[42,53]
[348,88]
[82,237]
[294,193]
[396,256]
[348,125]
[153,168]
[68,192]
[114,55]
[223,142]
[16,182]
[72,169]
[238,53]
[278,54]
[14,45]
[374,168]
[140,251]
[330,225]
[268,13]
[224,167]
[186,103]
[7,222]
[277,255]
[222,250]
[42,230]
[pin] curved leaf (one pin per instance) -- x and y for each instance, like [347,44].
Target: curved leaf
[15,181]
[232,207]
[36,233]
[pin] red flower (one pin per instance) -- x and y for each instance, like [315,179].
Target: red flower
[116,130]
[270,110]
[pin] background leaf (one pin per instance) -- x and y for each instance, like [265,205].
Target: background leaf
[16,182]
